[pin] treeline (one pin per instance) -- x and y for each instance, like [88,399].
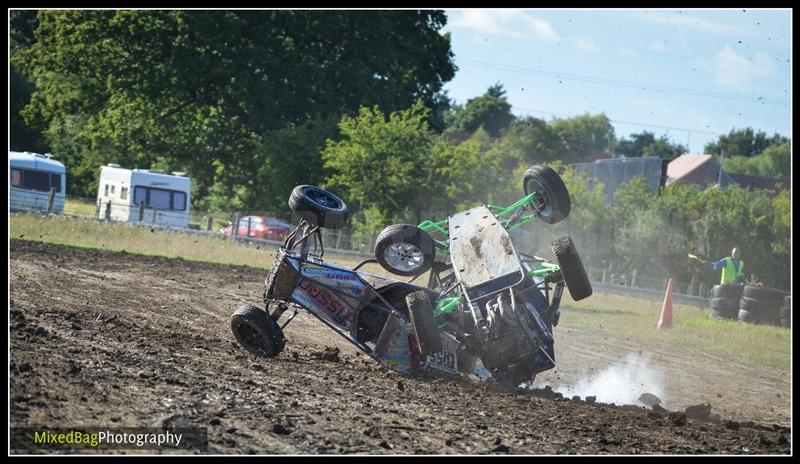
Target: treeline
[252,103]
[238,99]
[394,169]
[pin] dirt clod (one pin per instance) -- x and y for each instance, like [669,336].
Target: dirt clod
[677,418]
[698,411]
[649,399]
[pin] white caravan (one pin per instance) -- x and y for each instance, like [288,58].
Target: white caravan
[32,176]
[165,198]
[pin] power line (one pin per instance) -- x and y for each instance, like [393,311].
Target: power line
[682,129]
[620,83]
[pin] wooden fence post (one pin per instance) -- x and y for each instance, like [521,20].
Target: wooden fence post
[155,211]
[235,225]
[141,211]
[633,278]
[108,211]
[50,197]
[210,222]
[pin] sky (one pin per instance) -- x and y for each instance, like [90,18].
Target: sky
[688,74]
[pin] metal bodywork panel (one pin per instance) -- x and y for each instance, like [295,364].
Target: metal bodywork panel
[480,248]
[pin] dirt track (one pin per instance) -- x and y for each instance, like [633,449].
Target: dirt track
[110,339]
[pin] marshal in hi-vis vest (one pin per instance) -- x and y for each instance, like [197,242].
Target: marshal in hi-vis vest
[730,273]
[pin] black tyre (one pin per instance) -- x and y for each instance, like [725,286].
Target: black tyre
[725,303]
[550,193]
[405,250]
[768,296]
[723,314]
[572,269]
[420,308]
[257,332]
[513,376]
[319,207]
[727,291]
[748,316]
[724,308]
[786,311]
[750,304]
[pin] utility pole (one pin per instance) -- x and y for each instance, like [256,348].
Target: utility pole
[721,158]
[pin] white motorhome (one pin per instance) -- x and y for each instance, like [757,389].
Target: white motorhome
[132,195]
[31,177]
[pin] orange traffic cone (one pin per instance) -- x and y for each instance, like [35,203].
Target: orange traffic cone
[665,322]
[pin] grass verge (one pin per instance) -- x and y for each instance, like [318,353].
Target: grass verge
[88,233]
[636,319]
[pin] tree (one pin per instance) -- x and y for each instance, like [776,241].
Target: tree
[583,134]
[532,141]
[382,164]
[490,111]
[744,142]
[206,87]
[646,144]
[773,162]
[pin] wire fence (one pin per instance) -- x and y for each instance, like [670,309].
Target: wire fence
[253,226]
[535,238]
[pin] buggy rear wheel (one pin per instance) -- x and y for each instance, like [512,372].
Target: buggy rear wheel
[420,308]
[572,269]
[550,194]
[318,207]
[257,332]
[405,250]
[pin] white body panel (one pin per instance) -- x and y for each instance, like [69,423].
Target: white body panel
[21,198]
[121,188]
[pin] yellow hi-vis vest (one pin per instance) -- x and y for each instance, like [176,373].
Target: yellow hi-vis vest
[730,273]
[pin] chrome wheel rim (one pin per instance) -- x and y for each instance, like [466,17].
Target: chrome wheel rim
[404,257]
[540,197]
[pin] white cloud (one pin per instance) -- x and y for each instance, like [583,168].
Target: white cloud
[504,23]
[659,45]
[627,52]
[585,44]
[690,22]
[737,72]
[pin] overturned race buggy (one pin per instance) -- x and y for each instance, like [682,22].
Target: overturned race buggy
[487,309]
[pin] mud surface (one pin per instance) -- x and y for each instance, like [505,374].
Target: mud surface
[117,340]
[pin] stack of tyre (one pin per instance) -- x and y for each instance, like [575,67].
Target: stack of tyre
[762,305]
[786,311]
[725,301]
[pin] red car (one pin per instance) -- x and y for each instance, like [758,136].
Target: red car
[263,227]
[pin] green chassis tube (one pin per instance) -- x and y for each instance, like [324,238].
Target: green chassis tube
[503,214]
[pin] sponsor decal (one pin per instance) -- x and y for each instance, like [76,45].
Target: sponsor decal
[332,308]
[443,360]
[343,280]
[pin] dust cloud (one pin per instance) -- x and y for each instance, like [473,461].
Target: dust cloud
[620,383]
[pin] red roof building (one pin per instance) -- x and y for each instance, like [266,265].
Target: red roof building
[704,170]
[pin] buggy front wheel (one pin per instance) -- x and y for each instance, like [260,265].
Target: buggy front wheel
[257,332]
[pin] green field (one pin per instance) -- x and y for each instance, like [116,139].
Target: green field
[80,207]
[621,316]
[636,319]
[144,240]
